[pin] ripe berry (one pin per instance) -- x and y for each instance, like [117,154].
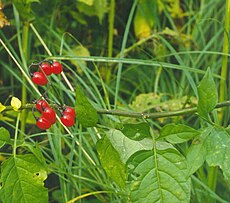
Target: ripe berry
[69,110]
[39,78]
[67,120]
[49,114]
[43,123]
[46,67]
[56,67]
[41,105]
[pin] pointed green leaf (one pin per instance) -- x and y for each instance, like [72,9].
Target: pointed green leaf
[137,131]
[22,179]
[196,154]
[207,95]
[218,151]
[159,176]
[111,161]
[127,147]
[177,133]
[86,113]
[4,136]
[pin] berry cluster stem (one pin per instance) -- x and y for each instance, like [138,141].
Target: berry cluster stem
[130,114]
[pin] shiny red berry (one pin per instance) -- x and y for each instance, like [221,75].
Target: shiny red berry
[49,114]
[56,67]
[43,123]
[46,67]
[69,110]
[41,105]
[67,120]
[39,78]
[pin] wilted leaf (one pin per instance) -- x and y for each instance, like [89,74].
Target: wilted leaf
[136,131]
[127,147]
[207,95]
[22,179]
[111,161]
[159,176]
[2,107]
[86,113]
[177,133]
[144,19]
[15,103]
[4,136]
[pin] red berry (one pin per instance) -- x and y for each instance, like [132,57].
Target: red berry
[46,67]
[39,78]
[67,120]
[56,67]
[43,123]
[41,105]
[69,110]
[49,114]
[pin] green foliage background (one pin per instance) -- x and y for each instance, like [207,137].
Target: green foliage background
[129,66]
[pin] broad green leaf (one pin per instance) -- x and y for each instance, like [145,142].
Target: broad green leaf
[218,151]
[196,154]
[125,146]
[86,113]
[136,131]
[4,136]
[15,103]
[111,161]
[2,107]
[159,176]
[177,133]
[22,179]
[207,95]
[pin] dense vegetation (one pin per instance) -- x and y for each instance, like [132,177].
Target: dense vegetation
[149,83]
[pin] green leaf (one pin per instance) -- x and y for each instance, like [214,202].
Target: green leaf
[22,180]
[88,2]
[159,176]
[177,133]
[125,146]
[218,151]
[207,95]
[4,136]
[136,131]
[86,113]
[24,8]
[111,161]
[196,154]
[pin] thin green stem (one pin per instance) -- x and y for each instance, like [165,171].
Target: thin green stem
[111,27]
[110,38]
[224,68]
[122,51]
[16,135]
[25,34]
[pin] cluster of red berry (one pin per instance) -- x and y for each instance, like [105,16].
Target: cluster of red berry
[48,114]
[46,68]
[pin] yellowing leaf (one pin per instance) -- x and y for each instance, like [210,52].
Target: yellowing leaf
[15,103]
[2,107]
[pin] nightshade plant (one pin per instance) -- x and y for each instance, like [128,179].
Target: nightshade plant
[116,129]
